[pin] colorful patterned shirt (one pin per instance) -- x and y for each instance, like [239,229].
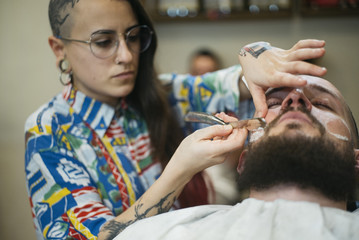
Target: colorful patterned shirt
[86,162]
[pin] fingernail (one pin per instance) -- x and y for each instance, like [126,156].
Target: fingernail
[301,80]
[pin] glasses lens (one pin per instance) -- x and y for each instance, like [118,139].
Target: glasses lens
[103,44]
[139,38]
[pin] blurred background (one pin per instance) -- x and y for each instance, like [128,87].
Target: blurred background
[29,76]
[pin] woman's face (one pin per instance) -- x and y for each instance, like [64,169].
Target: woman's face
[103,79]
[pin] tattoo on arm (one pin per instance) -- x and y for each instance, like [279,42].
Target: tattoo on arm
[255,49]
[114,227]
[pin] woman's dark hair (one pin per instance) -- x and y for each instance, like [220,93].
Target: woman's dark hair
[148,97]
[59,14]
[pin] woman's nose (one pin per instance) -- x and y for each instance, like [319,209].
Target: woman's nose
[123,54]
[296,99]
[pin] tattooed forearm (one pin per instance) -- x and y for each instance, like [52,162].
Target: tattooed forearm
[114,227]
[162,206]
[255,49]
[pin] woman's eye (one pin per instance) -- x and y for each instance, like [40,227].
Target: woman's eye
[104,43]
[133,38]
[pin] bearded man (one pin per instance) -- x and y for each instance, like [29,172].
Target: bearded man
[300,172]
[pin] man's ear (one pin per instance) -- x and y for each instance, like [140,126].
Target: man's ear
[58,48]
[241,161]
[356,151]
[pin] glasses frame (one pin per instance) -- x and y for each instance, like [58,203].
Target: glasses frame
[125,34]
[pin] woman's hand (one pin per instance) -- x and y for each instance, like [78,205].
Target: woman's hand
[201,149]
[265,66]
[207,147]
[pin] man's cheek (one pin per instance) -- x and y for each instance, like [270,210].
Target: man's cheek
[334,125]
[271,115]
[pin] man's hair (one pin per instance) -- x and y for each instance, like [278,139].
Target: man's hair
[205,52]
[59,13]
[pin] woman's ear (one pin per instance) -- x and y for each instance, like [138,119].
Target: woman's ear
[241,161]
[58,48]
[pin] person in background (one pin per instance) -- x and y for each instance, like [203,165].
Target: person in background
[301,172]
[95,153]
[203,61]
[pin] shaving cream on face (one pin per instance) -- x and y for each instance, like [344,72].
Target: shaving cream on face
[332,122]
[340,137]
[256,134]
[337,135]
[329,121]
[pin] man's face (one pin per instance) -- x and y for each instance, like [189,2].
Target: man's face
[306,143]
[314,110]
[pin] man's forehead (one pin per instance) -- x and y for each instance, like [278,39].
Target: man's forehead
[318,83]
[323,83]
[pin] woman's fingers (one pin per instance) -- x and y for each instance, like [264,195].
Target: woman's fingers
[219,139]
[259,100]
[308,43]
[279,79]
[299,67]
[306,53]
[226,117]
[276,67]
[212,132]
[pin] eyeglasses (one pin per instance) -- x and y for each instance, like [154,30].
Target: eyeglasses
[104,43]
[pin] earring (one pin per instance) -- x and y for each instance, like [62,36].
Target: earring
[65,74]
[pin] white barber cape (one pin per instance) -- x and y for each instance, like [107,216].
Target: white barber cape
[251,219]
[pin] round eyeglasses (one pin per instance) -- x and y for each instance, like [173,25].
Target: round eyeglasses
[104,43]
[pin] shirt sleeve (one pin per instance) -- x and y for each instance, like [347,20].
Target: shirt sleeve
[211,93]
[64,199]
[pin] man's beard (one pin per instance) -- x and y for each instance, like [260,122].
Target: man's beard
[306,162]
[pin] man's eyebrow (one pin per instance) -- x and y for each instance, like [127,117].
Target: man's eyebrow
[273,90]
[323,89]
[312,86]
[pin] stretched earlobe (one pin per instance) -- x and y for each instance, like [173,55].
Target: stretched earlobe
[241,161]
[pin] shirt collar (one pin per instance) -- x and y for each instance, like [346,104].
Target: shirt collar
[95,113]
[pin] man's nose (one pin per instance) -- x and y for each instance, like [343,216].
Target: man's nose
[296,99]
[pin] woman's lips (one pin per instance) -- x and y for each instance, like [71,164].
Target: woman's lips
[124,75]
